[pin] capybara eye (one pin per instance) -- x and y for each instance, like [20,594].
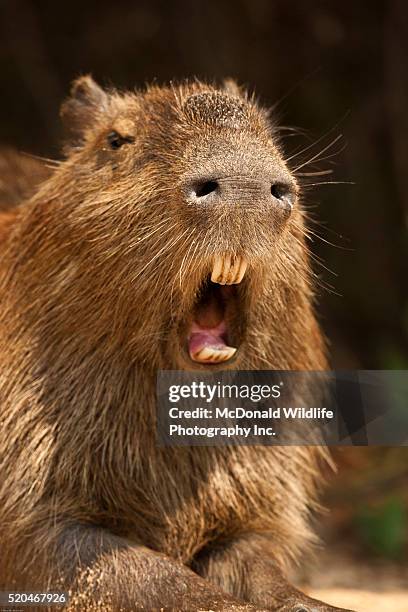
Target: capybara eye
[115,140]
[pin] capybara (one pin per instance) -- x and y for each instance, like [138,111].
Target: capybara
[171,236]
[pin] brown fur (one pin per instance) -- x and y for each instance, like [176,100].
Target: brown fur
[103,264]
[20,176]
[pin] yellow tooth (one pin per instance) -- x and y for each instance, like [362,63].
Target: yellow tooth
[227,262]
[214,355]
[231,271]
[228,269]
[218,266]
[204,354]
[241,271]
[227,353]
[234,271]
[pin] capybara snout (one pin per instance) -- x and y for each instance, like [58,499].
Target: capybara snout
[239,190]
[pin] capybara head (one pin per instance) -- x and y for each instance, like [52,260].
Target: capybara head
[174,231]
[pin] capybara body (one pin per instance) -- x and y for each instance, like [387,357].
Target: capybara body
[102,278]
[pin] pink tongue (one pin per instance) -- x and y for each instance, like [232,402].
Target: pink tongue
[210,337]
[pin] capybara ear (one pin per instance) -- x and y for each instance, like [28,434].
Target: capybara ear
[231,86]
[86,102]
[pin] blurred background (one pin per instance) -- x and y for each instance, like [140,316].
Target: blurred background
[336,71]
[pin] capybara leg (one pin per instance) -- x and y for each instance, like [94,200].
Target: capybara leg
[105,573]
[246,568]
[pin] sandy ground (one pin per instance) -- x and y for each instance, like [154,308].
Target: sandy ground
[342,579]
[363,601]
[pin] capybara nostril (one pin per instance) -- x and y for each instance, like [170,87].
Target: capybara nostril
[284,195]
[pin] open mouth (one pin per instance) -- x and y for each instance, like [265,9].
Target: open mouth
[214,333]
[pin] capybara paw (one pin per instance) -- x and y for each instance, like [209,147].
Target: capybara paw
[311,606]
[301,603]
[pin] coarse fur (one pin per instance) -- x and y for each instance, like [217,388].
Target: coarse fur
[20,176]
[100,270]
